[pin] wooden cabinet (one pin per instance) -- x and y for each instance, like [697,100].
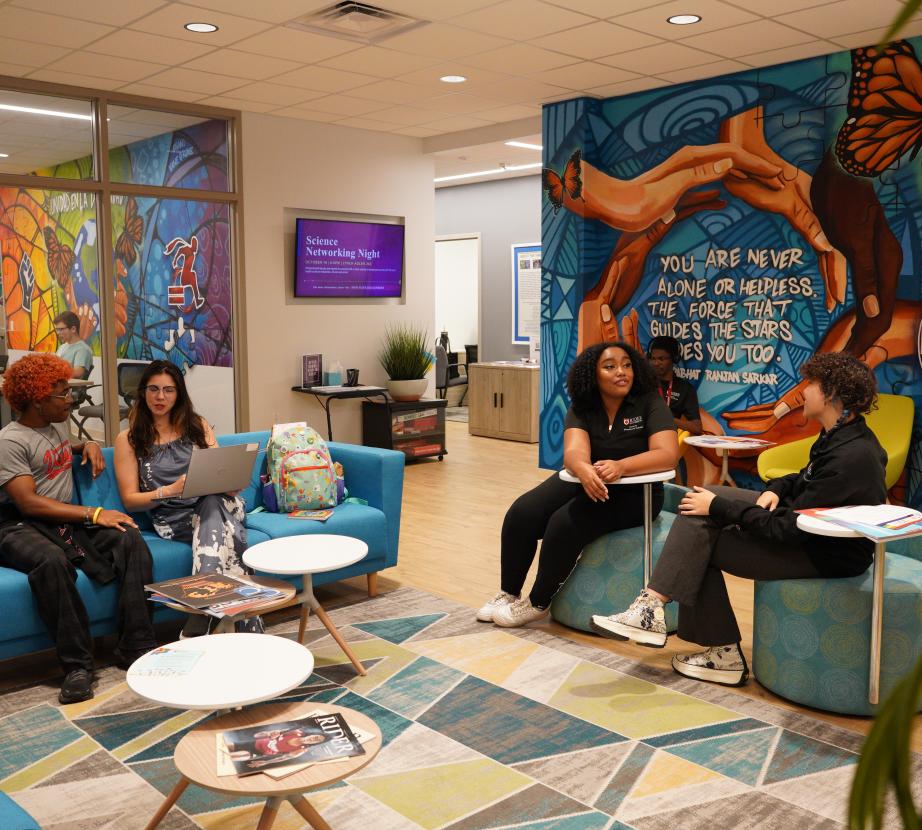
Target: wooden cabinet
[416,428]
[504,400]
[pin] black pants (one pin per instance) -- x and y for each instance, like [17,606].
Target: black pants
[697,551]
[53,582]
[567,520]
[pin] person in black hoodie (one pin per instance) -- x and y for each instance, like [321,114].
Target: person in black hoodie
[755,535]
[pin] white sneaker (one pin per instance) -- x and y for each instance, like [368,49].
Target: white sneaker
[518,613]
[485,614]
[718,664]
[644,622]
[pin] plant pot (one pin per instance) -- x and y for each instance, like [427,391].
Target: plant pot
[407,390]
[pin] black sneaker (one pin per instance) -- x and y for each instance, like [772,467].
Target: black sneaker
[196,625]
[77,686]
[251,625]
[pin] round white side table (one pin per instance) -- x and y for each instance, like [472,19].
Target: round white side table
[307,555]
[820,527]
[647,480]
[723,448]
[234,670]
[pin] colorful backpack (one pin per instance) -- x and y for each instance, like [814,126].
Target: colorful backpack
[301,469]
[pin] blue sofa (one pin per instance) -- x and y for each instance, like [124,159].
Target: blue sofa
[372,474]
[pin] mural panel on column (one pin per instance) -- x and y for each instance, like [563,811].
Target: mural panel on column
[759,218]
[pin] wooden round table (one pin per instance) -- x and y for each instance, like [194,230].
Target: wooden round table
[195,759]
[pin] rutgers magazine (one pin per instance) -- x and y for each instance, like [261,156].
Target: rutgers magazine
[213,593]
[273,746]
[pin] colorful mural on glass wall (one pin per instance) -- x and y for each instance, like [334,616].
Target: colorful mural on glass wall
[759,218]
[172,257]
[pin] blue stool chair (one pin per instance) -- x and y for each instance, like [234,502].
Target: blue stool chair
[811,638]
[609,573]
[13,817]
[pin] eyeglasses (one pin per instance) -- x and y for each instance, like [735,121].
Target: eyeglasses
[63,395]
[156,390]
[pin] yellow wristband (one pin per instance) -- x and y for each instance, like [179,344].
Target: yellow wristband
[96,513]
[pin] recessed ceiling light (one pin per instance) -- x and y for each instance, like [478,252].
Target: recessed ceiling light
[201,28]
[36,111]
[453,79]
[684,19]
[524,145]
[4,155]
[494,171]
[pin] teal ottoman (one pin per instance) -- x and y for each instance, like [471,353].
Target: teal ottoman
[811,637]
[609,575]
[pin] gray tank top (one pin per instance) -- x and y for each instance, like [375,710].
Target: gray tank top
[164,465]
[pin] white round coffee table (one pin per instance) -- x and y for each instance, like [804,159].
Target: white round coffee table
[723,445]
[307,555]
[233,670]
[647,480]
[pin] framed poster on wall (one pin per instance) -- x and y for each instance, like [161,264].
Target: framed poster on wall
[526,291]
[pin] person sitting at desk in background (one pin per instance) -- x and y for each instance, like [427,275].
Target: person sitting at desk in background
[755,535]
[46,537]
[617,426]
[679,394]
[72,349]
[151,460]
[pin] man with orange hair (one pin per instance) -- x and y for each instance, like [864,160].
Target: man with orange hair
[45,536]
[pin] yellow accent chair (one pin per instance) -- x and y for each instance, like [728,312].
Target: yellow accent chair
[891,422]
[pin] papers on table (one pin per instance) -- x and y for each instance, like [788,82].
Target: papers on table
[167,662]
[877,521]
[742,441]
[216,594]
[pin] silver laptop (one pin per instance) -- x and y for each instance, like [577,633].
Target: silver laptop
[219,470]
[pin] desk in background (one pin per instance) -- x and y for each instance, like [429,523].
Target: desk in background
[325,395]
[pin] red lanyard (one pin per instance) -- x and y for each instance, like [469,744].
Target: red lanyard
[668,396]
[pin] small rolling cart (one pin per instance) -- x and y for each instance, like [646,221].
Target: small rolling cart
[416,428]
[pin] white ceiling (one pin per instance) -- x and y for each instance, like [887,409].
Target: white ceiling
[516,55]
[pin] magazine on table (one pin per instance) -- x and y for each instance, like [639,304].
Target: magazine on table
[167,662]
[744,441]
[206,591]
[274,747]
[877,522]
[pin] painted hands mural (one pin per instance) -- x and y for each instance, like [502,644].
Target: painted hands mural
[758,218]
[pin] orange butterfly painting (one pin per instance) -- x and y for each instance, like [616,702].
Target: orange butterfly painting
[569,183]
[131,236]
[60,257]
[884,109]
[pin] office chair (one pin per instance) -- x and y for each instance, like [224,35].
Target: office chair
[81,396]
[128,374]
[442,374]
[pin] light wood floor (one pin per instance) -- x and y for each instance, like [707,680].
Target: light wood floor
[449,545]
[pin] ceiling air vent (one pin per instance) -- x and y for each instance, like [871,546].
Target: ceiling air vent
[357,22]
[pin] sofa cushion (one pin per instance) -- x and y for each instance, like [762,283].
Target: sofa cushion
[13,817]
[357,520]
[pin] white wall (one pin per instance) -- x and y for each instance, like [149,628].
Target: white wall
[293,167]
[457,290]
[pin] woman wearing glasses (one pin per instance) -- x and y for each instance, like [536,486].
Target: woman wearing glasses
[151,460]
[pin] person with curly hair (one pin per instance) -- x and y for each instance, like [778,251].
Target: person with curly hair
[755,535]
[151,460]
[46,537]
[618,425]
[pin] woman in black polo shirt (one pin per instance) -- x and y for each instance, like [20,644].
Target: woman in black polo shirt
[617,426]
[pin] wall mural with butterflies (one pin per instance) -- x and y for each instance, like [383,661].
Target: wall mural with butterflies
[759,218]
[173,260]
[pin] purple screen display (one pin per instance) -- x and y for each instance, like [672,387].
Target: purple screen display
[348,259]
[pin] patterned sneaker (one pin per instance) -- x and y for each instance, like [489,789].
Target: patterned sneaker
[644,622]
[718,664]
[485,614]
[518,613]
[251,625]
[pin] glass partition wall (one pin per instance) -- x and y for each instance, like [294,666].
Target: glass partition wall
[122,214]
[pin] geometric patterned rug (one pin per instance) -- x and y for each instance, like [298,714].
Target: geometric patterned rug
[483,728]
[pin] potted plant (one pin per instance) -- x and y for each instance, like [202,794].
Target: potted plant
[406,359]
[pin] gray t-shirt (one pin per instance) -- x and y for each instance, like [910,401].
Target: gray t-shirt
[78,355]
[44,454]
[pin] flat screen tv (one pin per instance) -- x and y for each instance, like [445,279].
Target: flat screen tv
[334,258]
